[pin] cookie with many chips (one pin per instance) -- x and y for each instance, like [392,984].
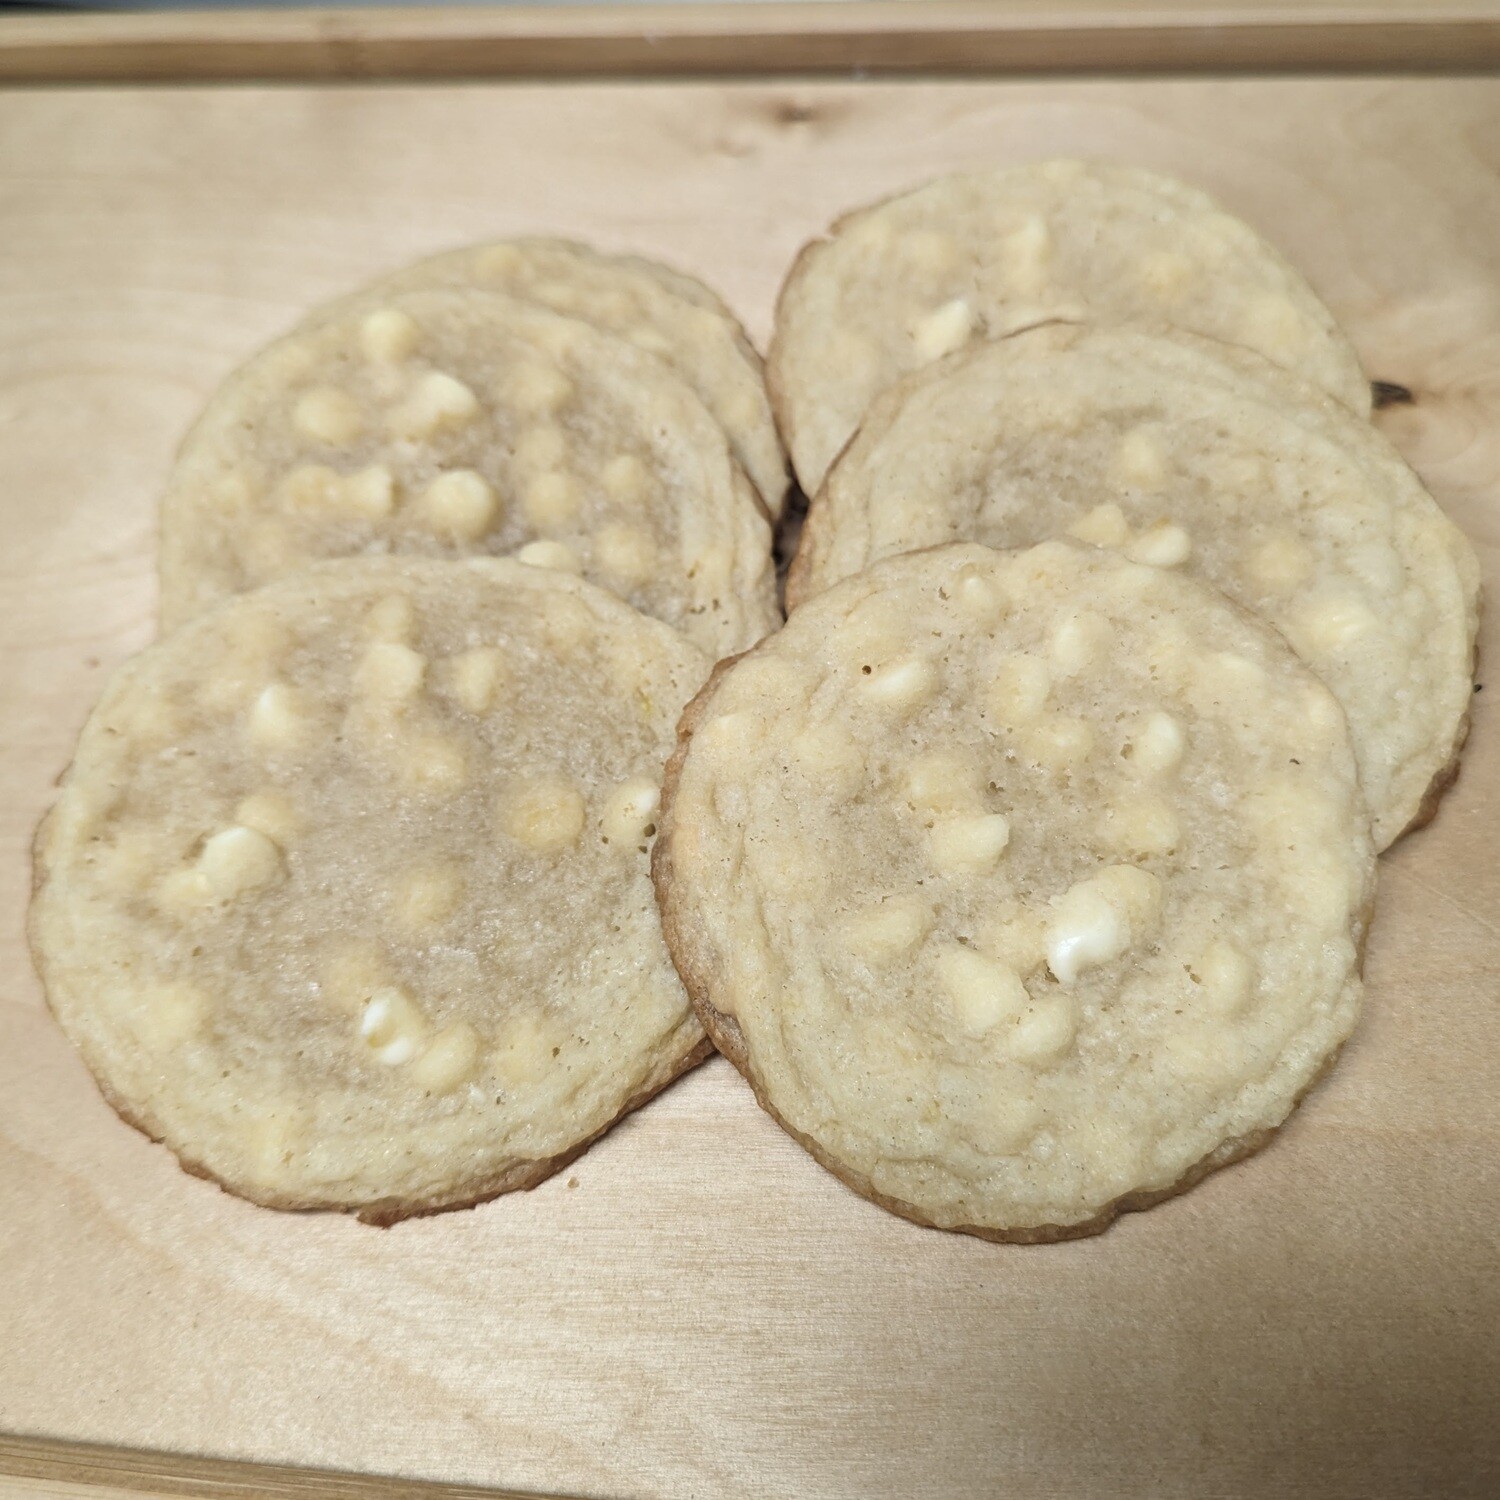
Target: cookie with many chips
[345,897]
[898,285]
[1186,453]
[1023,887]
[657,308]
[460,423]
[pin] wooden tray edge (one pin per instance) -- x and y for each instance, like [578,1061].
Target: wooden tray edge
[889,37]
[65,1469]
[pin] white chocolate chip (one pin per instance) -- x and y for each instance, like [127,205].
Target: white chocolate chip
[311,487]
[328,415]
[390,671]
[272,814]
[625,478]
[968,846]
[280,718]
[943,331]
[902,685]
[1330,625]
[438,403]
[982,991]
[426,896]
[1058,742]
[1017,937]
[392,1026]
[928,251]
[450,1059]
[652,340]
[545,813]
[350,972]
[368,495]
[1140,460]
[629,814]
[888,931]
[625,555]
[1227,977]
[1156,744]
[389,335]
[1280,565]
[1097,919]
[391,619]
[474,677]
[437,765]
[535,388]
[371,493]
[1163,546]
[945,781]
[1104,526]
[1045,1030]
[1018,693]
[1165,273]
[552,499]
[460,504]
[549,554]
[1028,255]
[1077,642]
[978,596]
[239,859]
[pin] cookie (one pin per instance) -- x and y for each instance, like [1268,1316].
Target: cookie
[453,423]
[904,282]
[1025,888]
[1194,455]
[656,308]
[345,897]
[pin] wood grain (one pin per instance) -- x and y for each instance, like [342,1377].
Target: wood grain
[695,1308]
[862,36]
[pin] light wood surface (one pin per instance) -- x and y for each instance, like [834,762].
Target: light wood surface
[839,36]
[695,1309]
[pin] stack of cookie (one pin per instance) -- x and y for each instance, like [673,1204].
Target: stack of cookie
[1027,886]
[1024,873]
[346,897]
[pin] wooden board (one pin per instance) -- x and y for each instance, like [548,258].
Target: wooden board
[695,1308]
[863,36]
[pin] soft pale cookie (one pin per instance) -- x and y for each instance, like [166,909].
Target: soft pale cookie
[456,423]
[1188,454]
[1025,888]
[900,284]
[660,310]
[345,897]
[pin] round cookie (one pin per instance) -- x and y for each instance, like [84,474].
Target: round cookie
[345,897]
[453,423]
[900,284]
[656,308]
[1025,888]
[1186,453]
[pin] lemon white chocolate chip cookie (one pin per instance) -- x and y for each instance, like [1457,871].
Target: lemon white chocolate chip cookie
[658,309]
[902,283]
[1024,887]
[450,423]
[1186,453]
[345,897]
